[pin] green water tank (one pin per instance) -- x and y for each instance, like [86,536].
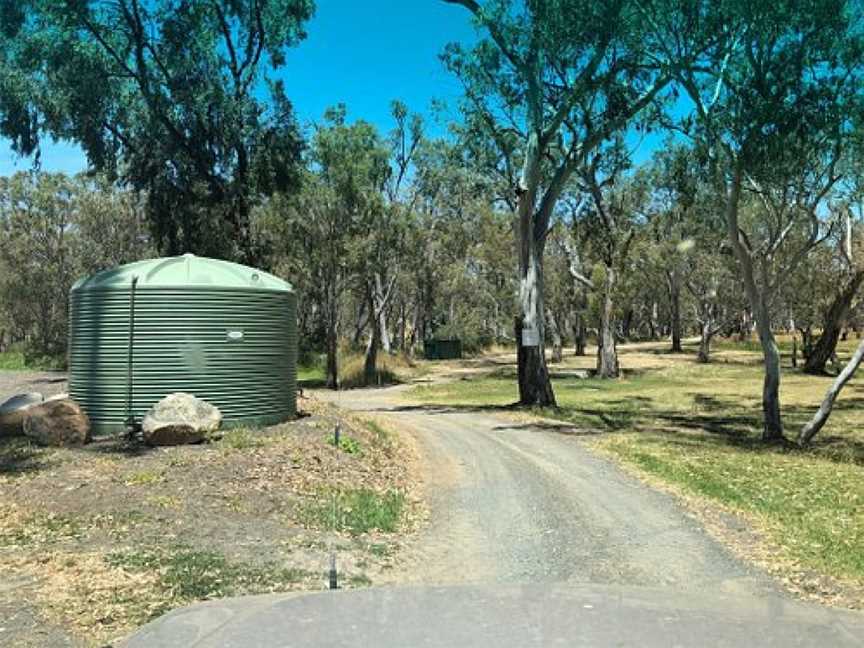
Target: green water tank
[222,331]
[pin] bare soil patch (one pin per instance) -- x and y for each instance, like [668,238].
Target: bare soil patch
[98,540]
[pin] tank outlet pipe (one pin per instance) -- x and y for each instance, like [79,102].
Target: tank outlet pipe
[132,427]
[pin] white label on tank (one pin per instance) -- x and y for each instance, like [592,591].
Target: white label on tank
[530,337]
[235,336]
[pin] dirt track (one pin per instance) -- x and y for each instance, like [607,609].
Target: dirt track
[513,502]
[47,383]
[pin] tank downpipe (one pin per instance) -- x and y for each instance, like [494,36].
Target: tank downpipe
[133,428]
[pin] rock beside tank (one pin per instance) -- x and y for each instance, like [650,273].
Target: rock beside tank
[14,410]
[57,422]
[178,419]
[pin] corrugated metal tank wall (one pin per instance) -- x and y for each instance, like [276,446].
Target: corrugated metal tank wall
[224,332]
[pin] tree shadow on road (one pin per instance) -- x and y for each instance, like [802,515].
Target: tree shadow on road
[711,419]
[450,408]
[567,429]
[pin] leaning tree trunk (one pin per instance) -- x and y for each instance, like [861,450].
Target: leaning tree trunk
[821,416]
[837,312]
[607,353]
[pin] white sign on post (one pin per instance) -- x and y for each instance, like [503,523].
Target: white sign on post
[530,337]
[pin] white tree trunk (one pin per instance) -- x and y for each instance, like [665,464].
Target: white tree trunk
[535,388]
[705,342]
[381,309]
[821,416]
[772,424]
[607,352]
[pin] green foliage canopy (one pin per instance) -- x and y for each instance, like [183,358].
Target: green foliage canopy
[174,97]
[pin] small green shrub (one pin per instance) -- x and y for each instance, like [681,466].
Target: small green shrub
[347,444]
[12,360]
[16,360]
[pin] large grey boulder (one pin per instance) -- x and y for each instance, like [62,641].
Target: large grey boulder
[180,418]
[57,422]
[14,410]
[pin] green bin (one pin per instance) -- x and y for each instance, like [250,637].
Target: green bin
[442,349]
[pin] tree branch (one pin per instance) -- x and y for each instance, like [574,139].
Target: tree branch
[494,32]
[229,44]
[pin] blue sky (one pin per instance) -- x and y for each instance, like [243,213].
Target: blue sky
[363,54]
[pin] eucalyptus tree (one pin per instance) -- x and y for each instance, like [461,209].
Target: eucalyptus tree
[389,234]
[178,98]
[714,288]
[549,83]
[612,215]
[674,177]
[54,229]
[353,162]
[462,256]
[809,294]
[820,417]
[846,261]
[772,98]
[36,241]
[319,236]
[110,224]
[685,246]
[440,236]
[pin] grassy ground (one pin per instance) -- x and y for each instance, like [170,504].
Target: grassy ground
[696,427]
[12,361]
[98,540]
[16,361]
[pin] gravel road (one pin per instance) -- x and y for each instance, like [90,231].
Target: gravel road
[519,503]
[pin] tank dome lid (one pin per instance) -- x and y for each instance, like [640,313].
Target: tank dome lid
[186,271]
